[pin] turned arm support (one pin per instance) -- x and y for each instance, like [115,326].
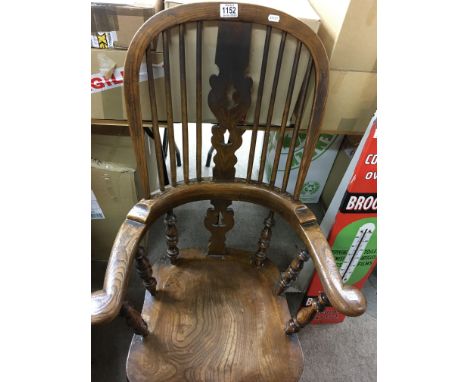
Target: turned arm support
[106,303]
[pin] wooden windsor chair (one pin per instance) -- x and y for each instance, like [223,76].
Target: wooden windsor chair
[220,314]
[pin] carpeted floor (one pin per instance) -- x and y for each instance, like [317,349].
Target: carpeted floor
[332,353]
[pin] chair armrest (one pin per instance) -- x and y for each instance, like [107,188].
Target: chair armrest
[106,303]
[345,299]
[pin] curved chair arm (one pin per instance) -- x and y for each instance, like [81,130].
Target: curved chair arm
[345,299]
[106,303]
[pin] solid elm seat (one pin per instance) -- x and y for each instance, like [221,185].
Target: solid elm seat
[215,319]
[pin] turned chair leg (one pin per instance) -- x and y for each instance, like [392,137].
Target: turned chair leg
[306,314]
[134,319]
[292,272]
[145,271]
[264,241]
[171,236]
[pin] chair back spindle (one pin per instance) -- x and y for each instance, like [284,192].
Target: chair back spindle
[271,107]
[170,117]
[154,119]
[198,98]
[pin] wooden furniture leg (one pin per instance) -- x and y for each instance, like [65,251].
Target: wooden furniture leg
[292,272]
[264,241]
[145,271]
[134,319]
[171,236]
[306,314]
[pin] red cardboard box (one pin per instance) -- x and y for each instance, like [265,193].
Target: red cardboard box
[353,235]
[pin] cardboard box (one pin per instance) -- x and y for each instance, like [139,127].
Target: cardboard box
[343,158]
[351,224]
[113,25]
[325,152]
[118,150]
[352,100]
[107,73]
[300,9]
[113,186]
[107,96]
[349,33]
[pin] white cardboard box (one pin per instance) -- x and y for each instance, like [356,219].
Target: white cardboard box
[119,150]
[113,187]
[325,153]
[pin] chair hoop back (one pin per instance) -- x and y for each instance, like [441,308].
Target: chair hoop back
[242,89]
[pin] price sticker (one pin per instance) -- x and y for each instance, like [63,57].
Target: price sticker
[228,10]
[273,18]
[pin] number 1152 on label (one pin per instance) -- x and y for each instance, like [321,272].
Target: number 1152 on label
[228,10]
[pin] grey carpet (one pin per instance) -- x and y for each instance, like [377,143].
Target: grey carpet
[332,353]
